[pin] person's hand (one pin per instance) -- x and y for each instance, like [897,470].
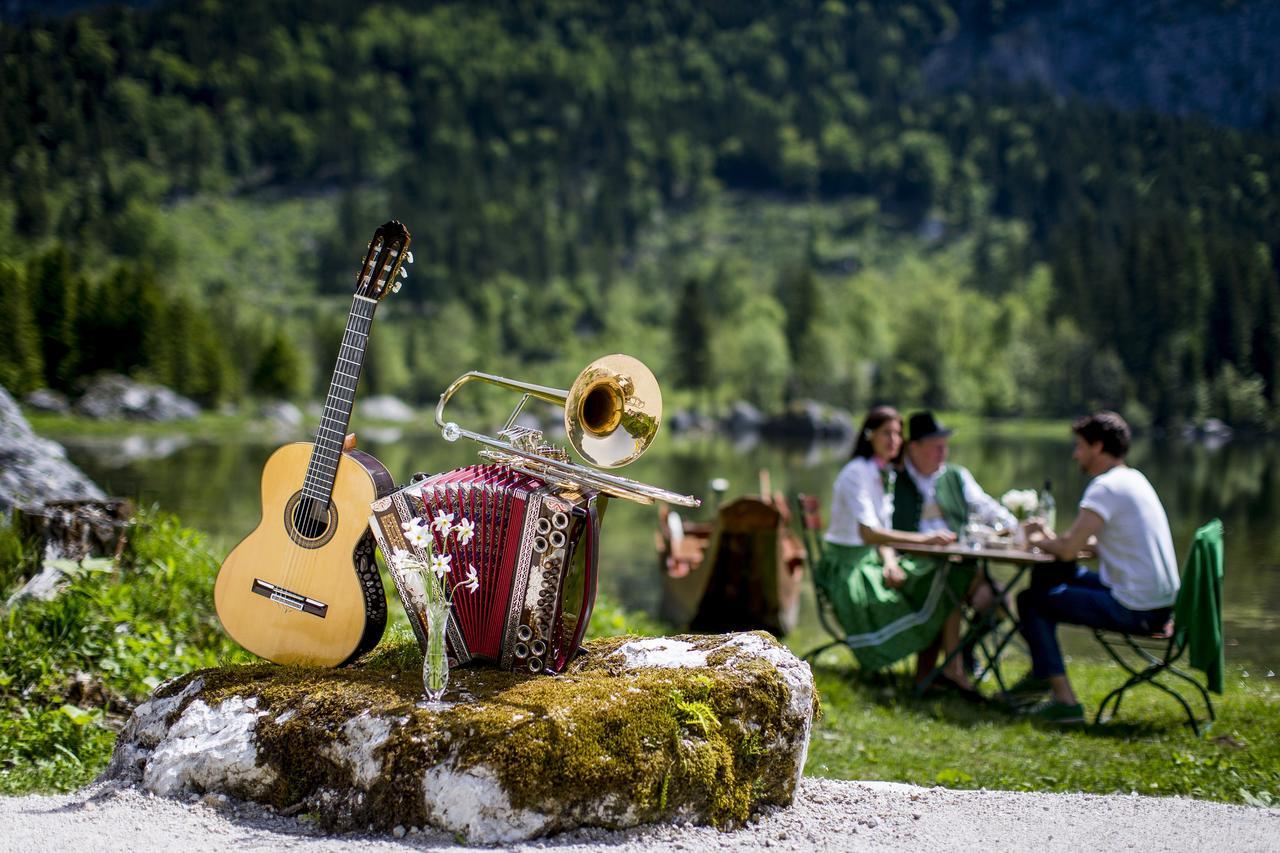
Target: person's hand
[1035,529]
[939,537]
[894,576]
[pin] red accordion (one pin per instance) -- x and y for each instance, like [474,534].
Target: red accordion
[534,549]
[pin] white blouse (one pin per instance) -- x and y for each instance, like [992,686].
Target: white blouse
[858,497]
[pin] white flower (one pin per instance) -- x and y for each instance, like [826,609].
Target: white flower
[442,522]
[472,581]
[464,529]
[415,584]
[417,532]
[440,564]
[1020,502]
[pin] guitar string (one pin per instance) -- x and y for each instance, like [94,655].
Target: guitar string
[304,516]
[358,323]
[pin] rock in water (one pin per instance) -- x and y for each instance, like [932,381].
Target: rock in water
[705,729]
[112,396]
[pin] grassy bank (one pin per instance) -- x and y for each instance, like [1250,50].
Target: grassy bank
[874,728]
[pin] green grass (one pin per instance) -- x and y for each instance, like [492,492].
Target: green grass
[205,425]
[873,727]
[71,669]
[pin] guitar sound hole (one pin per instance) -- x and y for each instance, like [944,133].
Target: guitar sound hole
[310,518]
[310,522]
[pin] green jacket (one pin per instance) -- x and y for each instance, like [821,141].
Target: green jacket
[908,503]
[1197,614]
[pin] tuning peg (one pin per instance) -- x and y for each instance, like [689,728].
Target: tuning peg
[408,256]
[404,273]
[395,288]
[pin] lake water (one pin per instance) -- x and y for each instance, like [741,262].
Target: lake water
[213,485]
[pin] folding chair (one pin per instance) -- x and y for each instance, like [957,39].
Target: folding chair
[1198,609]
[810,516]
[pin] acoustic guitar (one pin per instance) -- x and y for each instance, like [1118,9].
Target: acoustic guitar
[303,587]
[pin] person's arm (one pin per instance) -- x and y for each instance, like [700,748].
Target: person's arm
[893,574]
[881,536]
[990,508]
[1070,544]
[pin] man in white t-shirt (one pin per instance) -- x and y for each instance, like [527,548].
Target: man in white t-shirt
[1137,579]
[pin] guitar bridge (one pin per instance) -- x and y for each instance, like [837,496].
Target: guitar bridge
[289,599]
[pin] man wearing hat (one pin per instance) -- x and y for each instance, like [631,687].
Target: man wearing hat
[933,495]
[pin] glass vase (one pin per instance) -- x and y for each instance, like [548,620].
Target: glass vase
[435,663]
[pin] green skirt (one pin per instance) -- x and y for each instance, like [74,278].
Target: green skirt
[885,625]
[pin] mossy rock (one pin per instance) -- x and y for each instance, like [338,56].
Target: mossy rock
[704,729]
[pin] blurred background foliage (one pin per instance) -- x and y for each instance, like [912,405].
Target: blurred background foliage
[765,201]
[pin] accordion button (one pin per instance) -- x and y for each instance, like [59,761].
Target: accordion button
[525,633]
[535,664]
[521,650]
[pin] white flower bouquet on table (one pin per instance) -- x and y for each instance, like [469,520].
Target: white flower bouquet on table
[429,583]
[1021,502]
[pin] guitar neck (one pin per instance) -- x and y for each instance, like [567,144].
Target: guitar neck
[338,404]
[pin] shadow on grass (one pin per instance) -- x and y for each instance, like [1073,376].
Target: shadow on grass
[895,689]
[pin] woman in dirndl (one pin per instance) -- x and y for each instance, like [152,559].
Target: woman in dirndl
[890,605]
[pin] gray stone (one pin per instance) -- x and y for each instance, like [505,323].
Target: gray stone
[114,397]
[384,407]
[35,470]
[689,729]
[743,418]
[687,420]
[281,412]
[810,419]
[47,400]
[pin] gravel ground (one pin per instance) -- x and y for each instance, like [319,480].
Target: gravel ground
[827,815]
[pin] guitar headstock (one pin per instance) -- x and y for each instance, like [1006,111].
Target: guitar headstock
[385,260]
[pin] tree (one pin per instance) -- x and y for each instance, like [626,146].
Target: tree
[691,336]
[278,372]
[21,362]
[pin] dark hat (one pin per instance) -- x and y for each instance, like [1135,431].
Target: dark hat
[923,425]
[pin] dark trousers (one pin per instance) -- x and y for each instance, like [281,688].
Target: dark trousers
[1071,594]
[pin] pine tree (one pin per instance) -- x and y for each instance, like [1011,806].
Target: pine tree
[278,372]
[691,331]
[21,363]
[56,294]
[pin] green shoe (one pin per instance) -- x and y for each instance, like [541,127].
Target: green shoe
[1058,713]
[1028,690]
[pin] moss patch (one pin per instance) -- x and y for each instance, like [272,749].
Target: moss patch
[654,743]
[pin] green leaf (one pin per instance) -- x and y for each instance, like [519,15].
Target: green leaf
[79,716]
[950,776]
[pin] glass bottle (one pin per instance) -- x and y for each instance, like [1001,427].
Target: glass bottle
[1047,508]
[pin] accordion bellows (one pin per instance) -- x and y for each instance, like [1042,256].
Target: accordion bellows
[535,550]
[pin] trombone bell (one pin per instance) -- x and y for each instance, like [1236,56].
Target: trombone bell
[612,411]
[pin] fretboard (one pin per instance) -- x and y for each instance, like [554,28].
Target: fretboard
[337,406]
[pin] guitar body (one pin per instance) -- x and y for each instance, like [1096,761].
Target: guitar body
[306,593]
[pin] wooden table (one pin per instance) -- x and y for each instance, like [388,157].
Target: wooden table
[993,631]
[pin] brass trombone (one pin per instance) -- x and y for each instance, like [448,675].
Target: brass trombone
[611,415]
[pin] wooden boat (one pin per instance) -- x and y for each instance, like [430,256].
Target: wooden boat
[742,572]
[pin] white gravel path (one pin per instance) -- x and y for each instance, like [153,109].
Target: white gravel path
[827,815]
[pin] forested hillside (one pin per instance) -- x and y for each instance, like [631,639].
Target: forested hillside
[763,200]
